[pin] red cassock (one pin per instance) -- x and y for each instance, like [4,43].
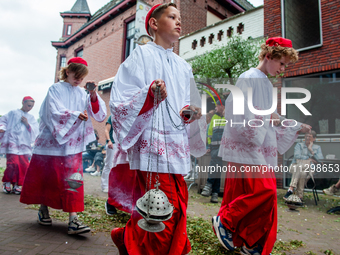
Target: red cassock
[249,207]
[173,240]
[16,167]
[122,186]
[46,182]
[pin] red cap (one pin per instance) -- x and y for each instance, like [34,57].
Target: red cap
[27,98]
[148,16]
[77,60]
[279,41]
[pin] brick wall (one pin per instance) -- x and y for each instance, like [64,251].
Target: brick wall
[324,58]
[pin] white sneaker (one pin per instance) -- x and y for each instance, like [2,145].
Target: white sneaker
[77,227]
[6,187]
[95,173]
[106,190]
[90,169]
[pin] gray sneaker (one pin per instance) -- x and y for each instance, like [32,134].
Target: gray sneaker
[44,218]
[77,227]
[214,198]
[206,192]
[332,191]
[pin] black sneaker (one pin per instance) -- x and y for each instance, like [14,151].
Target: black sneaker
[77,227]
[44,218]
[110,209]
[289,192]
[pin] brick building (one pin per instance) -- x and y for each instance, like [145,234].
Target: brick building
[314,28]
[106,38]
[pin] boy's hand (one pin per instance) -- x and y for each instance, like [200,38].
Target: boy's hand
[110,144]
[275,118]
[91,88]
[197,110]
[2,131]
[24,120]
[83,116]
[305,128]
[162,88]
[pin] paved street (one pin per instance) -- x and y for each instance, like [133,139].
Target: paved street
[21,234]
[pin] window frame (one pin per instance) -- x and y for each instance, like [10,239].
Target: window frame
[61,57]
[126,22]
[66,26]
[283,26]
[79,50]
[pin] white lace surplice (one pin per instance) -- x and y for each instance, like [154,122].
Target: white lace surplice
[61,132]
[17,139]
[131,84]
[255,145]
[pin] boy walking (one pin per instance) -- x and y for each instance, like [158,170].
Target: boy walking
[132,100]
[248,214]
[18,130]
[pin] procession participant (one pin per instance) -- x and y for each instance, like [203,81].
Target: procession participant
[248,214]
[55,172]
[18,130]
[132,108]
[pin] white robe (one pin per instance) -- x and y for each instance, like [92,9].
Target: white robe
[130,88]
[17,139]
[255,145]
[62,133]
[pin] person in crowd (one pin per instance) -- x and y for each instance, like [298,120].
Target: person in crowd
[215,131]
[305,154]
[18,130]
[248,214]
[54,177]
[155,71]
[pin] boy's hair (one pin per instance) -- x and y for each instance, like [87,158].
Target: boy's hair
[80,71]
[277,52]
[157,13]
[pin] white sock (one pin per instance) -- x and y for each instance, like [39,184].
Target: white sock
[72,217]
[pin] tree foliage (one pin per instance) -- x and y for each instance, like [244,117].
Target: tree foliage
[228,61]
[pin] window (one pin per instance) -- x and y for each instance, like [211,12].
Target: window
[230,31]
[202,41]
[129,41]
[301,22]
[240,28]
[220,35]
[194,44]
[69,28]
[79,53]
[324,102]
[62,61]
[211,37]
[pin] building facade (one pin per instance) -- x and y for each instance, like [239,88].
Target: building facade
[106,38]
[314,29]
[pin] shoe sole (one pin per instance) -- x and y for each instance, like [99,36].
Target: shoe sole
[217,232]
[107,213]
[80,231]
[215,202]
[44,223]
[205,195]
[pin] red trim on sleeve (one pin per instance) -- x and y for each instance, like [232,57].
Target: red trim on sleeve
[148,104]
[95,106]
